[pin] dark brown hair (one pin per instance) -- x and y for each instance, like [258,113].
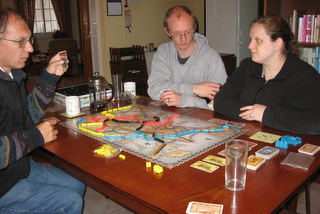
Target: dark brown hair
[5,14]
[177,10]
[276,27]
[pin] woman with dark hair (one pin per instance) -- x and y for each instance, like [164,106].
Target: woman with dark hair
[274,86]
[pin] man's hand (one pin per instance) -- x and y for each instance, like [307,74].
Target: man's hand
[170,98]
[48,131]
[206,89]
[55,66]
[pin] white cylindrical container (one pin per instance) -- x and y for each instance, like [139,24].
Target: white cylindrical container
[130,87]
[72,105]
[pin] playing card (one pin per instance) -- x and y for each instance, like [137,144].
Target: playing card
[235,124]
[223,152]
[64,57]
[309,149]
[217,120]
[204,166]
[255,162]
[215,160]
[205,208]
[265,137]
[267,152]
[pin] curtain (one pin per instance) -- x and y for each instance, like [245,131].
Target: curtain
[63,14]
[26,9]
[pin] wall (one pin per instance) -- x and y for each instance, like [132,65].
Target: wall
[146,20]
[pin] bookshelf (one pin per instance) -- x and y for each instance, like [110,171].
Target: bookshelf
[285,9]
[310,51]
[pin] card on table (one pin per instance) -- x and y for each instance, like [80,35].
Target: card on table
[267,152]
[226,122]
[223,152]
[72,116]
[309,149]
[217,120]
[235,124]
[250,146]
[265,137]
[156,103]
[204,166]
[204,208]
[255,162]
[215,160]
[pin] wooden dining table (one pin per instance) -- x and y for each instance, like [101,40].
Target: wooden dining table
[129,183]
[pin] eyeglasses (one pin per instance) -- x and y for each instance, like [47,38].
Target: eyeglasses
[178,35]
[23,42]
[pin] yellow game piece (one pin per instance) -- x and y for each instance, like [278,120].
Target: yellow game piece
[148,164]
[157,169]
[105,150]
[100,134]
[122,157]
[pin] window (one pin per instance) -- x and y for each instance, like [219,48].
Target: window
[45,20]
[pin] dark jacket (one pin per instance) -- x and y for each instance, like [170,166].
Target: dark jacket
[292,97]
[19,114]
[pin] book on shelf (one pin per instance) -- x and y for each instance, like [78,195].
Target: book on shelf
[306,27]
[311,56]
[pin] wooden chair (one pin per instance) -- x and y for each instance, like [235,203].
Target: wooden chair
[131,63]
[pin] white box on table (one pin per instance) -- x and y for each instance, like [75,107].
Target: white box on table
[82,91]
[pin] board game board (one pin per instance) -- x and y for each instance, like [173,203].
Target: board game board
[159,136]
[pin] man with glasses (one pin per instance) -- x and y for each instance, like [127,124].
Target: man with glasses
[27,186]
[185,72]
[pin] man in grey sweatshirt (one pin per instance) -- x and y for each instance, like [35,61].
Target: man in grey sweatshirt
[185,70]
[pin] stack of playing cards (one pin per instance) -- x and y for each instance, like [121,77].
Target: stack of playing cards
[267,152]
[64,57]
[199,207]
[309,149]
[255,162]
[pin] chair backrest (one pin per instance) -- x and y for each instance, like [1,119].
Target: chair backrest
[117,55]
[131,63]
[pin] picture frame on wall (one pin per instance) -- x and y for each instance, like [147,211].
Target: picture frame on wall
[114,8]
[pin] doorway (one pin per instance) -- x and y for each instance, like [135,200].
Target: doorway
[85,52]
[85,39]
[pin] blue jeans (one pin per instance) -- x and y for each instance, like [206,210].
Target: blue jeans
[46,190]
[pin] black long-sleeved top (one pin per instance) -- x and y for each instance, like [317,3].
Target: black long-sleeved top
[292,97]
[19,115]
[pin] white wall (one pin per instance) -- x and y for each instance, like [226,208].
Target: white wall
[228,25]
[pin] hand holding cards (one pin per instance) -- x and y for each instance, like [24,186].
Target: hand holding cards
[64,57]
